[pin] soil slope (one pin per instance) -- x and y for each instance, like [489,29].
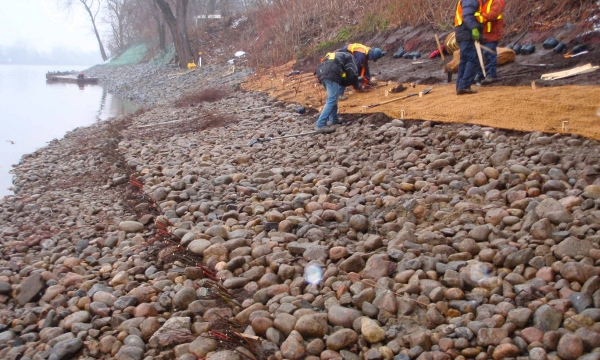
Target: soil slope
[508,107]
[512,103]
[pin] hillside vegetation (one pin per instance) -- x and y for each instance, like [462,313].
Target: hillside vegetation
[296,28]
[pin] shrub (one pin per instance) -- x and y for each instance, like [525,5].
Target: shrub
[204,95]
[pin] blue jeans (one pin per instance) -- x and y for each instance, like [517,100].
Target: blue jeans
[468,66]
[490,60]
[331,105]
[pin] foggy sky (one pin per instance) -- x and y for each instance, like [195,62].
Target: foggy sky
[43,26]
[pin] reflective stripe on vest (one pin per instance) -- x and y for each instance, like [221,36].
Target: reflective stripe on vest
[458,18]
[488,24]
[359,47]
[331,56]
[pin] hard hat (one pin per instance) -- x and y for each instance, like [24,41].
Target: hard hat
[375,54]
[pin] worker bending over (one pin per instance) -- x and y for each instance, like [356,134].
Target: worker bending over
[336,71]
[362,54]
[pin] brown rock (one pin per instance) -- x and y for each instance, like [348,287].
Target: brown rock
[570,347]
[342,339]
[487,337]
[260,324]
[293,347]
[143,294]
[338,252]
[532,334]
[312,325]
[377,267]
[504,351]
[145,310]
[342,316]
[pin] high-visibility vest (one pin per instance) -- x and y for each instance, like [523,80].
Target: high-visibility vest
[331,56]
[487,25]
[359,47]
[458,19]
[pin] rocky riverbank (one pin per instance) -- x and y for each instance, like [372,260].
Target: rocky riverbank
[384,240]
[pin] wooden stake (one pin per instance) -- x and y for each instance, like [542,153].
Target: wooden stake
[437,40]
[565,125]
[533,85]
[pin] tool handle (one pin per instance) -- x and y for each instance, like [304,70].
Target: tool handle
[437,40]
[480,56]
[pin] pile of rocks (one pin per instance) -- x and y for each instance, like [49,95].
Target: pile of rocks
[423,240]
[151,84]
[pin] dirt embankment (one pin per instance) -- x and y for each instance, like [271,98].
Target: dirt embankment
[570,105]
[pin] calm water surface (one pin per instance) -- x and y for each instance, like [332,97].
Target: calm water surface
[33,112]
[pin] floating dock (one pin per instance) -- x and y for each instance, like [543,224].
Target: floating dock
[70,77]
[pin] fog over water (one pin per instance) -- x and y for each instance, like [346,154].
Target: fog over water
[34,112]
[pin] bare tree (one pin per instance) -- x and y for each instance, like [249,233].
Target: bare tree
[93,8]
[178,26]
[116,18]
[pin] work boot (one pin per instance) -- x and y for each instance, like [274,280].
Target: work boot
[477,81]
[335,122]
[465,91]
[489,80]
[325,130]
[343,97]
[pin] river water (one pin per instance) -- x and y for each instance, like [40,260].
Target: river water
[34,112]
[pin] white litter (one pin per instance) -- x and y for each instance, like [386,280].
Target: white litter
[240,54]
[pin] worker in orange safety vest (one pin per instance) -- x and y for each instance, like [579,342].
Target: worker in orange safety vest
[362,54]
[493,26]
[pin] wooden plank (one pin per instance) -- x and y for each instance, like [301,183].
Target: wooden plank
[571,72]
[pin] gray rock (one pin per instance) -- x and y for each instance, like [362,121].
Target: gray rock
[127,352]
[480,233]
[518,258]
[125,301]
[573,247]
[7,336]
[5,288]
[30,288]
[580,301]
[500,157]
[547,318]
[65,349]
[225,355]
[184,297]
[131,226]
[487,337]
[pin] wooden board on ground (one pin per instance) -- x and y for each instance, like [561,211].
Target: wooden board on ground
[571,72]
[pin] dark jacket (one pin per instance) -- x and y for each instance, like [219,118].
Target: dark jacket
[341,69]
[463,31]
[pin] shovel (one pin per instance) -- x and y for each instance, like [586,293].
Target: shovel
[259,140]
[426,91]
